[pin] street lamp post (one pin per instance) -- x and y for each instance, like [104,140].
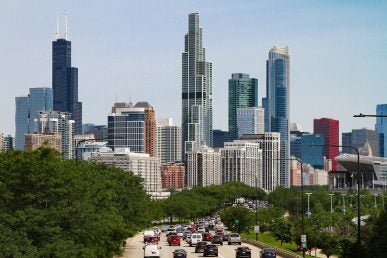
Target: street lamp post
[358,187]
[375,205]
[331,195]
[343,203]
[308,194]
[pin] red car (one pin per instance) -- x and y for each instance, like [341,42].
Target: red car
[173,240]
[207,237]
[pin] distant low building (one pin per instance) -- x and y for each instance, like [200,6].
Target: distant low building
[36,140]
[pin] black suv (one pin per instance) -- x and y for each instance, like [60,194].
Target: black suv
[243,252]
[217,239]
[210,250]
[199,248]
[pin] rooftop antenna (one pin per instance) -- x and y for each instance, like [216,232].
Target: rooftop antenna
[66,27]
[57,27]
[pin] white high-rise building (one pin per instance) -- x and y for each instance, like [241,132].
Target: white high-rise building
[271,160]
[140,164]
[250,120]
[58,122]
[242,161]
[203,167]
[196,122]
[168,141]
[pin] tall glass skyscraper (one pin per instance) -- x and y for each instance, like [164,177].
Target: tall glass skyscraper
[65,81]
[27,109]
[196,122]
[381,127]
[329,129]
[276,104]
[242,93]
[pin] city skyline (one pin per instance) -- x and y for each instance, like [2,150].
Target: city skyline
[117,54]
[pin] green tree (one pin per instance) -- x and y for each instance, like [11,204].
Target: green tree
[237,218]
[282,230]
[328,243]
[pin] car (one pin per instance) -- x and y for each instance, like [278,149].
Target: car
[195,238]
[243,252]
[178,253]
[199,248]
[148,234]
[225,237]
[234,238]
[268,253]
[201,230]
[151,251]
[171,231]
[207,237]
[173,240]
[217,239]
[210,250]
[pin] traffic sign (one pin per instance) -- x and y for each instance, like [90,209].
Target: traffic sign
[237,221]
[303,238]
[256,229]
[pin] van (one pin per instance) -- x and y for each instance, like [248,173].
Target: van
[195,238]
[152,251]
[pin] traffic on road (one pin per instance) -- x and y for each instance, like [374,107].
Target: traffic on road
[201,238]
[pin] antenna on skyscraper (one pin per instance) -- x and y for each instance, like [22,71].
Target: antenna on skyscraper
[57,27]
[66,27]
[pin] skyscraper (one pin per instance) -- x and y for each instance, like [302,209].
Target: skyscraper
[196,90]
[65,80]
[168,141]
[250,120]
[329,129]
[381,127]
[27,110]
[358,138]
[242,93]
[276,104]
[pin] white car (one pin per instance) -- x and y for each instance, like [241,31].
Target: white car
[195,238]
[152,251]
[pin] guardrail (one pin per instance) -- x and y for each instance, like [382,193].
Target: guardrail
[281,252]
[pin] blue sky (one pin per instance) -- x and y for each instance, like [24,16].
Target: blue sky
[132,50]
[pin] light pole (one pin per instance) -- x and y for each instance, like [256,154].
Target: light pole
[358,189]
[331,194]
[308,194]
[375,205]
[343,202]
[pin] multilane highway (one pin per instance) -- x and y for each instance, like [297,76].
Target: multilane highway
[134,245]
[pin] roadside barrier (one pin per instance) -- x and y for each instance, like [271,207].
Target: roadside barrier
[281,252]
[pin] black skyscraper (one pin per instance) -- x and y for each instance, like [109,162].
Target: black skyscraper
[65,82]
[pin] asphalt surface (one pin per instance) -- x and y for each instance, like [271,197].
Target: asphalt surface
[134,249]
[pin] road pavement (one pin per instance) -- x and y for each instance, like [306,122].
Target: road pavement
[134,245]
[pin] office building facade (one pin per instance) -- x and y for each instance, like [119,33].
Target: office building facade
[358,138]
[58,122]
[381,128]
[140,164]
[196,122]
[242,162]
[168,141]
[49,140]
[220,137]
[276,104]
[27,110]
[250,120]
[242,93]
[329,129]
[65,81]
[312,155]
[172,176]
[203,167]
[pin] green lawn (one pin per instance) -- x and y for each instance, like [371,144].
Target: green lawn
[269,239]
